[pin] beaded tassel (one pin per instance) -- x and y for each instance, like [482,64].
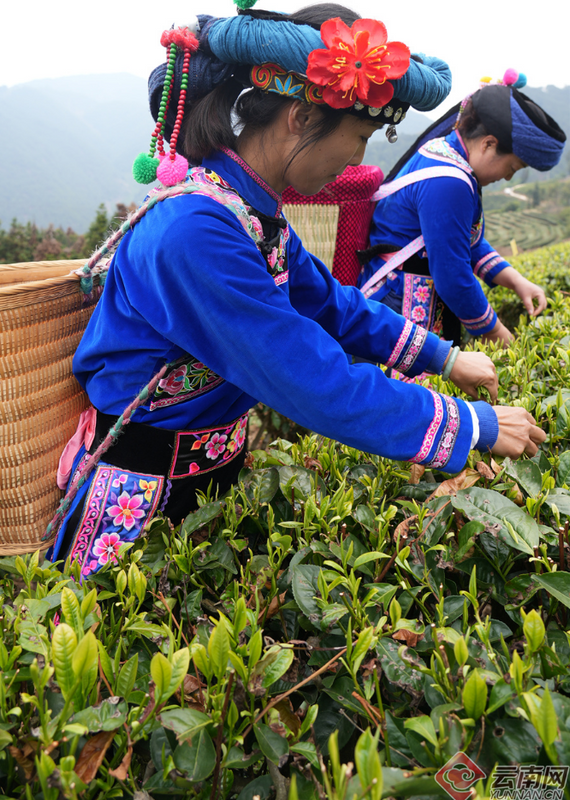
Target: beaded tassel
[172,168]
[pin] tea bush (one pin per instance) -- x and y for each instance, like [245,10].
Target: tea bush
[339,626]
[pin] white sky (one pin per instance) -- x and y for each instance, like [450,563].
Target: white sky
[40,39]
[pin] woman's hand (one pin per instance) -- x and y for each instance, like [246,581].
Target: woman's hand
[518,433]
[472,370]
[526,290]
[498,334]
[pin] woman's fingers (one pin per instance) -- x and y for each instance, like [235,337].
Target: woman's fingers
[472,371]
[518,432]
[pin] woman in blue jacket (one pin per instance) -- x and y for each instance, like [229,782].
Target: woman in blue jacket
[427,238]
[212,298]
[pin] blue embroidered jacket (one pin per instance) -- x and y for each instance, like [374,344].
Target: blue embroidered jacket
[444,211]
[188,286]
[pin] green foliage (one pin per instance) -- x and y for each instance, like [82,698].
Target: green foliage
[328,629]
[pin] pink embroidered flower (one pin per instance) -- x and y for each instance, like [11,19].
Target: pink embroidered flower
[148,488]
[174,381]
[118,482]
[418,314]
[272,257]
[106,547]
[216,445]
[90,567]
[127,510]
[422,294]
[256,225]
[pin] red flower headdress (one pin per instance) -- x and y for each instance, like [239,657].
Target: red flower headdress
[357,64]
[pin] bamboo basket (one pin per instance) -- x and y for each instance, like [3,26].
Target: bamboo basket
[42,319]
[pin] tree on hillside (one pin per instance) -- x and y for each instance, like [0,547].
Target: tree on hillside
[97,232]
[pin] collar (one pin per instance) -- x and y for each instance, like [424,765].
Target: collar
[247,183]
[456,142]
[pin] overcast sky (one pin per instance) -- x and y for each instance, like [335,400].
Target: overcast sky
[70,37]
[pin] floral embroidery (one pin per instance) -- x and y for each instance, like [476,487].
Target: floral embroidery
[449,435]
[215,446]
[148,488]
[419,299]
[187,379]
[109,520]
[440,150]
[432,430]
[479,322]
[204,450]
[357,63]
[106,547]
[413,350]
[127,510]
[402,339]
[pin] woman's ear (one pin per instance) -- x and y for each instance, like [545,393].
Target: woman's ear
[300,117]
[489,143]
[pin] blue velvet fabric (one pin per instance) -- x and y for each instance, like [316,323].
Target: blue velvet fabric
[442,210]
[189,279]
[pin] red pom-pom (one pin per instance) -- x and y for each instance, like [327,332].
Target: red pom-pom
[171,172]
[182,37]
[510,77]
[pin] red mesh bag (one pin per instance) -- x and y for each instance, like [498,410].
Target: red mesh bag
[352,192]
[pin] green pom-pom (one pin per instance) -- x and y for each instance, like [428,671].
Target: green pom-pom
[243,4]
[144,168]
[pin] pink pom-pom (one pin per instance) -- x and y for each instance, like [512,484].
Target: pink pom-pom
[171,172]
[510,77]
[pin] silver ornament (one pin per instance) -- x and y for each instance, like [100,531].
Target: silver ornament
[374,111]
[358,106]
[397,115]
[391,134]
[388,111]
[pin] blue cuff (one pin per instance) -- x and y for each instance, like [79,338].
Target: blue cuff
[435,366]
[488,425]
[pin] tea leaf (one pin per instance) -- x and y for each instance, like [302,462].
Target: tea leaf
[197,758]
[127,677]
[273,746]
[474,695]
[161,672]
[63,644]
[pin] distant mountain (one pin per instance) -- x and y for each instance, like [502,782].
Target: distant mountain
[71,145]
[73,141]
[555,102]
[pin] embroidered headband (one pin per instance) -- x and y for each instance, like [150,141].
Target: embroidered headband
[356,69]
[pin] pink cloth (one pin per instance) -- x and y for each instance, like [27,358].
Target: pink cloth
[84,434]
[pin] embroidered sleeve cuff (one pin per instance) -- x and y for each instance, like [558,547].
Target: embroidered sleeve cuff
[447,441]
[489,266]
[483,324]
[435,366]
[488,425]
[414,350]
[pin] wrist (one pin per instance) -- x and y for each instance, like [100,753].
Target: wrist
[450,362]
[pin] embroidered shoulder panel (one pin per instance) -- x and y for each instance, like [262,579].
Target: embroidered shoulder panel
[441,150]
[185,379]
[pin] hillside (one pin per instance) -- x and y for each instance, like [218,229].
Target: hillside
[72,148]
[76,139]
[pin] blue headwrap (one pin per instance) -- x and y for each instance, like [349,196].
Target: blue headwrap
[537,147]
[246,40]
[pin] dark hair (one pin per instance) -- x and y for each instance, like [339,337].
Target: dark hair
[210,122]
[470,126]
